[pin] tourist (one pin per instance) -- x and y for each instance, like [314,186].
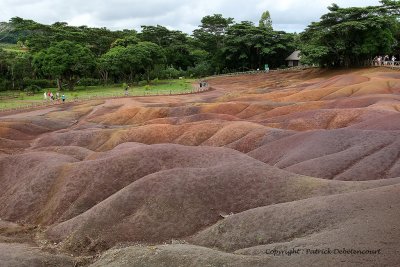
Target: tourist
[386,59]
[393,60]
[374,61]
[45,96]
[126,90]
[63,98]
[379,60]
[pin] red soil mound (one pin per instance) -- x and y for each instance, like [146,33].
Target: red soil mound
[309,220]
[20,255]
[340,154]
[94,205]
[175,255]
[27,180]
[359,221]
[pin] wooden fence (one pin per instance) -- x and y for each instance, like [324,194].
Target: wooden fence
[11,95]
[251,72]
[48,103]
[387,64]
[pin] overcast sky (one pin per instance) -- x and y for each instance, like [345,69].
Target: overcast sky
[184,15]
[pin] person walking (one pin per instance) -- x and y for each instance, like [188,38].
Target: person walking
[63,98]
[45,96]
[393,60]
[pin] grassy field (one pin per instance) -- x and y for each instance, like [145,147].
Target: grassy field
[15,99]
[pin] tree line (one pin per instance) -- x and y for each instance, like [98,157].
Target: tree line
[64,56]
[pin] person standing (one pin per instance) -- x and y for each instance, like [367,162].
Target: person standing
[63,98]
[375,61]
[393,60]
[386,60]
[126,90]
[45,96]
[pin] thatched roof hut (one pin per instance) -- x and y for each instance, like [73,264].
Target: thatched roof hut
[294,59]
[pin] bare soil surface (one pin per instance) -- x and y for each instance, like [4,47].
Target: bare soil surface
[298,168]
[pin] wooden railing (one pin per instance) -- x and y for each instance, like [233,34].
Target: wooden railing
[261,71]
[387,64]
[4,107]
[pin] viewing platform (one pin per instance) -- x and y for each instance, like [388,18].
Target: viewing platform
[387,64]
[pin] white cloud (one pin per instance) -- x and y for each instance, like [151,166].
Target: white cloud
[288,15]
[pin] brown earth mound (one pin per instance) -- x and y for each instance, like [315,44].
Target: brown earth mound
[342,154]
[20,255]
[310,220]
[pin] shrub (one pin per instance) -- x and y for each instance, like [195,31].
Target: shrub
[32,89]
[4,84]
[42,83]
[171,73]
[142,83]
[200,70]
[89,82]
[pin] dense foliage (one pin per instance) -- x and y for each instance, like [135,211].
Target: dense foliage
[45,54]
[352,36]
[66,61]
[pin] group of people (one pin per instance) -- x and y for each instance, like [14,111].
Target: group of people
[203,84]
[384,60]
[51,97]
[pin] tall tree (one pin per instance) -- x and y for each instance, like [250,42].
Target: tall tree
[19,67]
[14,67]
[351,36]
[210,37]
[66,61]
[126,62]
[265,21]
[148,55]
[109,63]
[250,47]
[176,44]
[37,36]
[155,34]
[127,40]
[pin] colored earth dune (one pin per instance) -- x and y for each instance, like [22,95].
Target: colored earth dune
[305,160]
